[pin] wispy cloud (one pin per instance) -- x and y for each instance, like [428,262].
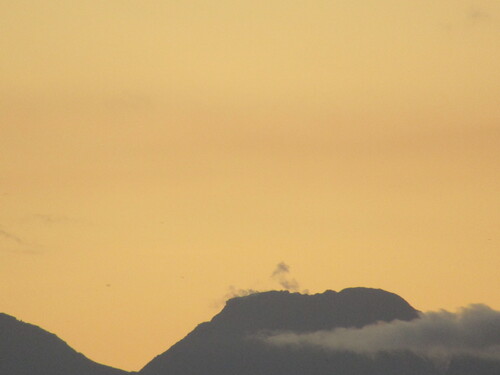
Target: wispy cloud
[474,17]
[281,275]
[11,236]
[51,220]
[25,251]
[12,243]
[473,330]
[238,292]
[477,14]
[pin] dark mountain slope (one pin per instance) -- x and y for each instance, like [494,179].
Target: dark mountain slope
[281,310]
[225,346]
[26,349]
[230,345]
[465,365]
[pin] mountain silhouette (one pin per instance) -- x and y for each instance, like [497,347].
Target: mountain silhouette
[225,346]
[232,342]
[26,349]
[229,344]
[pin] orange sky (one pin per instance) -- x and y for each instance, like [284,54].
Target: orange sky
[155,153]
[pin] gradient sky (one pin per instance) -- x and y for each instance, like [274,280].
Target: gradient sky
[154,153]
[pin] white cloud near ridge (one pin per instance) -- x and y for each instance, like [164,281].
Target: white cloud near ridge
[472,330]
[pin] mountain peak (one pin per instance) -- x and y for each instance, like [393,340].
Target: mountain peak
[283,310]
[223,345]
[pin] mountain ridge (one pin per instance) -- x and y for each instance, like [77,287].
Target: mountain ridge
[26,349]
[232,343]
[276,311]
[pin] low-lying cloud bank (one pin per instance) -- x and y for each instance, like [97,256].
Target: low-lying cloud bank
[472,330]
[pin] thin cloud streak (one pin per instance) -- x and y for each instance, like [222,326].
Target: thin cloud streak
[52,219]
[16,244]
[473,330]
[11,236]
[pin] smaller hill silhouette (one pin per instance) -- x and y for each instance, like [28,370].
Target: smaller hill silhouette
[26,349]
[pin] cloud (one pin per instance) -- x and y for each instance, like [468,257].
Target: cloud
[237,292]
[280,269]
[52,219]
[472,330]
[280,274]
[15,243]
[232,293]
[477,14]
[10,236]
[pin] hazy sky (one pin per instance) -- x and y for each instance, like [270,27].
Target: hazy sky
[154,153]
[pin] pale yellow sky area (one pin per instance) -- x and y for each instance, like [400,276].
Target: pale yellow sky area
[155,153]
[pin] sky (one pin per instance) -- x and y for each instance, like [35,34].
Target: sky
[157,156]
